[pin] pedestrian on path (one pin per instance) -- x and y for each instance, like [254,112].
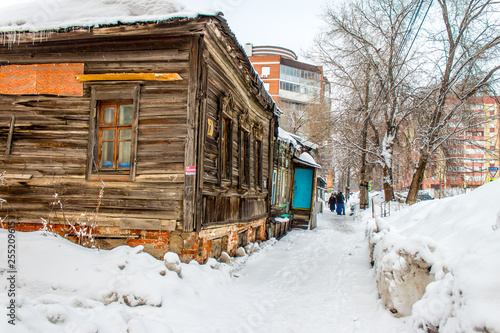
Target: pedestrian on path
[340,204]
[331,201]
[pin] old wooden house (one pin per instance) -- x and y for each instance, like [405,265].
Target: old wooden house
[154,133]
[293,193]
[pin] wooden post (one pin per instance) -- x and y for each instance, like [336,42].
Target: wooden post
[270,167]
[373,209]
[202,132]
[135,126]
[92,134]
[313,197]
[190,159]
[11,133]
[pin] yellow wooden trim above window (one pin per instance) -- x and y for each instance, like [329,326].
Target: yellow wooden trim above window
[129,77]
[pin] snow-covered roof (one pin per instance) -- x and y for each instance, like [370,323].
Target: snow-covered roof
[39,18]
[42,15]
[304,142]
[286,137]
[323,180]
[298,142]
[295,140]
[307,159]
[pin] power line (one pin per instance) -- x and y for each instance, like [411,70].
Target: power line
[413,19]
[416,34]
[410,27]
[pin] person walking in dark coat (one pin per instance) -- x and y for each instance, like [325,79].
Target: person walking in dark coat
[331,201]
[340,204]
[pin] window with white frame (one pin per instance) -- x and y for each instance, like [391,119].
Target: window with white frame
[266,71]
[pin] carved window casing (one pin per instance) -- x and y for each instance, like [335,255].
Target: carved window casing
[258,134]
[225,139]
[244,150]
[112,150]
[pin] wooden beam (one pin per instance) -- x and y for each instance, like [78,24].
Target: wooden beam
[17,176]
[129,77]
[190,184]
[11,133]
[202,124]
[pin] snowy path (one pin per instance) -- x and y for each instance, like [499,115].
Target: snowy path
[313,281]
[308,282]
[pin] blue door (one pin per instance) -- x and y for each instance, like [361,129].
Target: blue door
[302,188]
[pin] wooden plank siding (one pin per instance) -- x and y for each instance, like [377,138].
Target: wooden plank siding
[50,135]
[49,144]
[228,201]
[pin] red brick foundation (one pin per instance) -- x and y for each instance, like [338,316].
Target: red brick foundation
[197,246]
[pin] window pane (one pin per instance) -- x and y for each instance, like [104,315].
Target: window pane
[242,160]
[227,148]
[125,134]
[108,135]
[246,158]
[258,169]
[107,154]
[126,114]
[109,115]
[124,154]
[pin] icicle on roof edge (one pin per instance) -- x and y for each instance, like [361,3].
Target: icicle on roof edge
[40,15]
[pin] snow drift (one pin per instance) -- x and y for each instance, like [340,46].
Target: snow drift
[64,287]
[439,262]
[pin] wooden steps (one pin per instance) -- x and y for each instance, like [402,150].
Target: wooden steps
[300,224]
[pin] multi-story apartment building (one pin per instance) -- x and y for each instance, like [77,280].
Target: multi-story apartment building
[300,91]
[492,155]
[472,159]
[295,86]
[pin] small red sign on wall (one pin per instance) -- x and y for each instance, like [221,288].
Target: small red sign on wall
[191,170]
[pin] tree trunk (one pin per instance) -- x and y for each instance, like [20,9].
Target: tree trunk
[388,181]
[363,172]
[364,201]
[418,177]
[348,184]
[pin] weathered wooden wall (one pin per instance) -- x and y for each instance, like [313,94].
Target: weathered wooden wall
[282,163]
[228,200]
[46,155]
[49,143]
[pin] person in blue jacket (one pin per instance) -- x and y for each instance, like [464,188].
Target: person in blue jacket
[340,204]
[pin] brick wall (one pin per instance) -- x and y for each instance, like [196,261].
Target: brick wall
[190,246]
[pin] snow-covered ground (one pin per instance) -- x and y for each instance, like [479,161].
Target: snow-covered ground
[309,281]
[456,243]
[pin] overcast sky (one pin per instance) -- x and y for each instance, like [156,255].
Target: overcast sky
[287,23]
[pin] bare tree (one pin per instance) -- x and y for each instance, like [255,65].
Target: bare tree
[469,39]
[312,121]
[366,54]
